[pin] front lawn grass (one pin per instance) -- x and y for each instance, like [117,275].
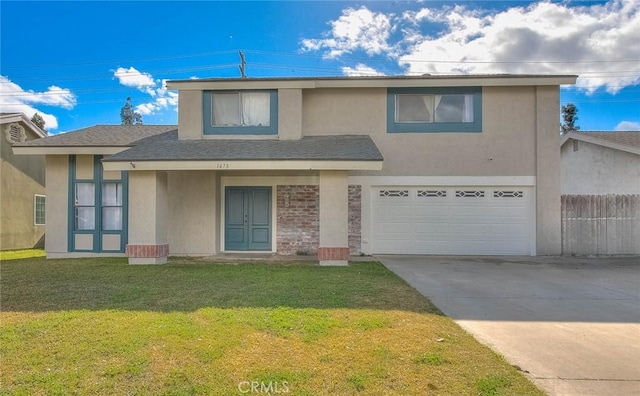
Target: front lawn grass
[100,326]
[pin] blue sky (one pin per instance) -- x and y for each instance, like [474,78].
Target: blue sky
[77,62]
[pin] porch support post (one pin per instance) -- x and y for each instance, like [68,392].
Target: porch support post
[334,218]
[148,214]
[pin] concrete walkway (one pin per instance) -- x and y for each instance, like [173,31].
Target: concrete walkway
[571,324]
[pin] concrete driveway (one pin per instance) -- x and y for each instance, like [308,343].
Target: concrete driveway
[572,325]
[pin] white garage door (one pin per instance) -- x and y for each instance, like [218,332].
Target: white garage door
[452,220]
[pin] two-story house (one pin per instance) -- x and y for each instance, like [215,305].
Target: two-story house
[331,166]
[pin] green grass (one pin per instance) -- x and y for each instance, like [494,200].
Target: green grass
[104,327]
[493,385]
[21,254]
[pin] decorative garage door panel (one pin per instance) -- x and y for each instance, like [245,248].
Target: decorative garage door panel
[452,220]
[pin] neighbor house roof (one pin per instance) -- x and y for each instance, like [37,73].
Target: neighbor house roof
[628,141]
[6,118]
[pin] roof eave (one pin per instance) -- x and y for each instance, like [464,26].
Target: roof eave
[373,82]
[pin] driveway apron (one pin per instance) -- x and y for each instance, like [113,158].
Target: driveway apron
[572,325]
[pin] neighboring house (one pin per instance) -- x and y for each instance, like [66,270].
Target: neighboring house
[600,163]
[22,190]
[600,193]
[331,166]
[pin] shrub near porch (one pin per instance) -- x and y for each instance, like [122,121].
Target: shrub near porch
[101,326]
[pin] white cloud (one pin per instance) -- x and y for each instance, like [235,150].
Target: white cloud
[157,89]
[361,70]
[628,126]
[14,98]
[599,42]
[133,78]
[358,29]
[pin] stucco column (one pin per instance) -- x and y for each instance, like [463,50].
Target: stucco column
[148,214]
[548,172]
[334,218]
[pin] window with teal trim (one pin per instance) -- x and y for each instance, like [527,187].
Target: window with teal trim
[416,110]
[112,206]
[85,206]
[240,112]
[97,210]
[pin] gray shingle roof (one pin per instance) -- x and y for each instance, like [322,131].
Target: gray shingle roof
[106,136]
[629,138]
[321,148]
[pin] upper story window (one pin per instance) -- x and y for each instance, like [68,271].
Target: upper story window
[434,110]
[241,112]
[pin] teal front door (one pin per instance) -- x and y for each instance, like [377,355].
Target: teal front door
[247,218]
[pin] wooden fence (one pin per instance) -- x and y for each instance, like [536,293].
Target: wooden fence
[600,224]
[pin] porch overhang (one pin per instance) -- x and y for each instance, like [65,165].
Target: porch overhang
[317,153]
[243,165]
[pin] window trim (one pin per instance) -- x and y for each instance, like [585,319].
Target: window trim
[97,232]
[434,127]
[77,206]
[210,129]
[35,209]
[103,206]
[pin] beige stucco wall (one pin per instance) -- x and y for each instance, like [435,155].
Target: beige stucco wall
[595,169]
[334,209]
[22,178]
[548,231]
[192,212]
[502,149]
[190,115]
[57,204]
[289,114]
[148,208]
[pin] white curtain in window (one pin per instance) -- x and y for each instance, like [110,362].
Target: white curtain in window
[111,218]
[436,103]
[112,194]
[85,218]
[256,108]
[226,109]
[85,194]
[430,102]
[467,114]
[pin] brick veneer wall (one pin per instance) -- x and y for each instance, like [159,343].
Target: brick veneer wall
[147,251]
[298,219]
[355,219]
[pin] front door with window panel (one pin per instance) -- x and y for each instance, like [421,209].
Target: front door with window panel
[247,218]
